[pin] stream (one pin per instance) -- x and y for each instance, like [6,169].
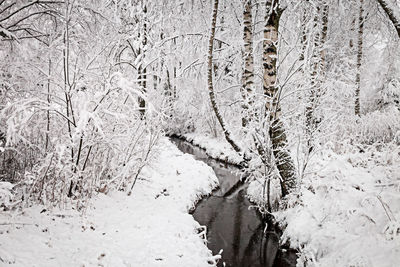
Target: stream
[231,225]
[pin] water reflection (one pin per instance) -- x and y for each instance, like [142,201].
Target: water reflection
[231,224]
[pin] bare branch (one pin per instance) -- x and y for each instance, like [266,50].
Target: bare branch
[48,12]
[19,10]
[5,9]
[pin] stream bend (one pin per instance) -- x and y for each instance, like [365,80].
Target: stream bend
[231,225]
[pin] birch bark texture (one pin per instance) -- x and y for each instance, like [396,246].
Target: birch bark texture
[142,71]
[248,63]
[317,73]
[277,133]
[303,40]
[359,57]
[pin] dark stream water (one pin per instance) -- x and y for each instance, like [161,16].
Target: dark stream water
[231,225]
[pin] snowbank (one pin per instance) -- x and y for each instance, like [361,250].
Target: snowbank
[349,212]
[5,194]
[151,227]
[217,149]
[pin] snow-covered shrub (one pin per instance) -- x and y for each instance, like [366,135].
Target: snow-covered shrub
[105,145]
[390,94]
[6,194]
[380,126]
[69,107]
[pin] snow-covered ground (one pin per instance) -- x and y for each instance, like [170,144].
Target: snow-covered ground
[215,148]
[151,227]
[347,212]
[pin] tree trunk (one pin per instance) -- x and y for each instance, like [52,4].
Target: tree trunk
[169,95]
[248,63]
[324,35]
[318,70]
[67,84]
[359,58]
[48,101]
[174,90]
[388,10]
[352,29]
[142,71]
[210,80]
[277,133]
[314,81]
[303,36]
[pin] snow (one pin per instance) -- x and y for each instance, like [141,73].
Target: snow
[215,148]
[81,126]
[151,227]
[349,210]
[5,193]
[257,194]
[394,7]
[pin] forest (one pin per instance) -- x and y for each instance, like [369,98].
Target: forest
[200,133]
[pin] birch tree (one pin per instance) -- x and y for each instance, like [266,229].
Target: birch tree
[248,63]
[277,131]
[142,69]
[359,57]
[317,65]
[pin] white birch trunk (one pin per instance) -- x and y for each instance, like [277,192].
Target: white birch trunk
[277,132]
[359,58]
[248,63]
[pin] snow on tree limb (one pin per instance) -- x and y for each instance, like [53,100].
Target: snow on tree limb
[392,12]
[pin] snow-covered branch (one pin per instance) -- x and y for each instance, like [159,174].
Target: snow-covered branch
[392,11]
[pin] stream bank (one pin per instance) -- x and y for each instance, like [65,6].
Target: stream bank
[232,225]
[117,230]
